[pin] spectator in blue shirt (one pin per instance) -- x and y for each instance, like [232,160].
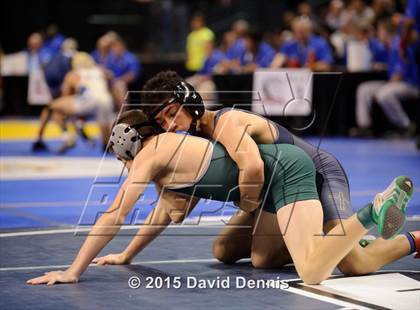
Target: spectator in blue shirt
[59,66]
[236,49]
[410,22]
[55,72]
[306,49]
[378,47]
[103,47]
[381,45]
[258,54]
[379,53]
[240,28]
[122,68]
[265,55]
[202,81]
[214,58]
[403,82]
[53,41]
[403,70]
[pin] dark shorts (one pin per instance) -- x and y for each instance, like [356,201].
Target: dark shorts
[332,183]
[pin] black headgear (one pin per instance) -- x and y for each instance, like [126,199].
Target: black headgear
[185,94]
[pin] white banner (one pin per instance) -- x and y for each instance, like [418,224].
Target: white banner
[14,64]
[282,93]
[38,91]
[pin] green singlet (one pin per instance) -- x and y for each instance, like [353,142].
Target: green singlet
[289,177]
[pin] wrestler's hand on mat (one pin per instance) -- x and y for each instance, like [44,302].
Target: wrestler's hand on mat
[113,259]
[53,277]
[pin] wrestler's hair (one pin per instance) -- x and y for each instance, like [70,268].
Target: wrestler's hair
[158,89]
[138,120]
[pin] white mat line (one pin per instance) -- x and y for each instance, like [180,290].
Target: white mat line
[347,305]
[208,222]
[80,203]
[330,300]
[47,204]
[340,274]
[151,262]
[58,204]
[369,192]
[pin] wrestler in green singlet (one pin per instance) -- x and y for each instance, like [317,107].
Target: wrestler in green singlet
[289,177]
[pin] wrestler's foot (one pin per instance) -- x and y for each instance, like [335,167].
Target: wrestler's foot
[39,146]
[67,145]
[82,132]
[388,210]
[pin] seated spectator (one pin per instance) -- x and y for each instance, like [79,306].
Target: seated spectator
[122,68]
[196,42]
[229,39]
[202,81]
[37,55]
[240,28]
[306,49]
[214,57]
[305,9]
[224,66]
[410,26]
[103,47]
[258,54]
[403,83]
[276,39]
[335,17]
[381,45]
[59,65]
[53,41]
[287,19]
[382,9]
[377,48]
[235,49]
[359,13]
[340,37]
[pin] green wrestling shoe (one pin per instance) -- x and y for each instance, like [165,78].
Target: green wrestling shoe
[389,207]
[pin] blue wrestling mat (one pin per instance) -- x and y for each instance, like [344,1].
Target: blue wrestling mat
[45,196]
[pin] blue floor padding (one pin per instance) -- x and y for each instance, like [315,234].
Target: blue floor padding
[370,165]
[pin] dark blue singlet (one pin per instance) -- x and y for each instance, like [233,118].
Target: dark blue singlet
[332,183]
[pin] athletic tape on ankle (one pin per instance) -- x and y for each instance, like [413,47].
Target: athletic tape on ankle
[364,216]
[412,242]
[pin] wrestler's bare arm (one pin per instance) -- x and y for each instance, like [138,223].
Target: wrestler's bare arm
[170,207]
[234,136]
[109,223]
[70,83]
